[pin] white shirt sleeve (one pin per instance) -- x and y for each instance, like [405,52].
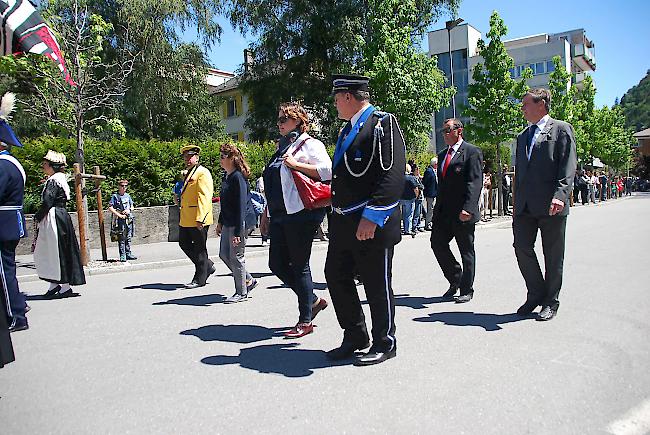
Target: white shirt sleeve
[312,152]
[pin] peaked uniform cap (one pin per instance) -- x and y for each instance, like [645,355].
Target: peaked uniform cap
[7,135]
[349,82]
[194,149]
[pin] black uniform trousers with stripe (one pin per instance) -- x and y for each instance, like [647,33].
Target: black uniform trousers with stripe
[16,300]
[374,264]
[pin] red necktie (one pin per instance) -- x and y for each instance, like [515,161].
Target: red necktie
[450,151]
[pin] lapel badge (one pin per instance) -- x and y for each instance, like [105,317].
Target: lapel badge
[357,156]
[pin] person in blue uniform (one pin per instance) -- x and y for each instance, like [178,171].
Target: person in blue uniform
[367,182]
[12,229]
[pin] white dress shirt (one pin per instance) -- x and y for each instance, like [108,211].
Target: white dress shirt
[313,152]
[540,126]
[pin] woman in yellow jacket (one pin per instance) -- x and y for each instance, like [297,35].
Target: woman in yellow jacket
[196,215]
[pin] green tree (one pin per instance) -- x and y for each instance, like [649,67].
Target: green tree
[166,95]
[100,83]
[562,92]
[405,81]
[494,96]
[585,122]
[302,43]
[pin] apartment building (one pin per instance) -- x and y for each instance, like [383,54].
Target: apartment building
[536,52]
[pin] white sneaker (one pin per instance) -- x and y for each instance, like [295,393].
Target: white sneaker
[235,298]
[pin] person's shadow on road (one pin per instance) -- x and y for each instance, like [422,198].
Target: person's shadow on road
[244,334]
[489,322]
[418,302]
[156,286]
[283,359]
[317,286]
[197,301]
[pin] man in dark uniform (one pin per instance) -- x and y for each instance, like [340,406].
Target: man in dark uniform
[460,179]
[367,182]
[12,229]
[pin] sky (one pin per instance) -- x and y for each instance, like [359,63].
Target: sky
[619,30]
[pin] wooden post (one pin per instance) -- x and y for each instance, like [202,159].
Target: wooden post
[100,213]
[81,216]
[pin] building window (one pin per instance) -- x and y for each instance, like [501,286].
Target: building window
[234,136]
[550,66]
[539,67]
[231,108]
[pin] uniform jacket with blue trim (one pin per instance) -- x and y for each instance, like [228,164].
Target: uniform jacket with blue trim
[12,192]
[381,185]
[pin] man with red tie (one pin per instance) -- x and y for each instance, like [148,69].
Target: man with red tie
[455,214]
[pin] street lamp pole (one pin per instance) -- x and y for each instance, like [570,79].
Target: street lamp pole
[450,25]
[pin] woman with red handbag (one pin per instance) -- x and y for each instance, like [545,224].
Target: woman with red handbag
[296,198]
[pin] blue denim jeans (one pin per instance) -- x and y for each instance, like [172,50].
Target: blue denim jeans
[408,207]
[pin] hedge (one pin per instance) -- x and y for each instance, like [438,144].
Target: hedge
[152,167]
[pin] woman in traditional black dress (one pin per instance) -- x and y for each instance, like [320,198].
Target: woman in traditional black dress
[56,253]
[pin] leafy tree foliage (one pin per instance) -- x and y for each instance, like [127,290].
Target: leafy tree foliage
[302,43]
[166,95]
[406,82]
[494,96]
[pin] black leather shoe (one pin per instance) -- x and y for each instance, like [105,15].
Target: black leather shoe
[547,313]
[527,308]
[371,358]
[464,298]
[131,257]
[451,292]
[212,269]
[51,293]
[345,350]
[18,323]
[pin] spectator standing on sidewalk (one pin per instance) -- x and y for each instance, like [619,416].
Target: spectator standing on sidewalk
[408,201]
[121,206]
[430,182]
[419,199]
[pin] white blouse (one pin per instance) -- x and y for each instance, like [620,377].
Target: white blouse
[312,152]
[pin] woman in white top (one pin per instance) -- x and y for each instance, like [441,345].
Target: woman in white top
[290,225]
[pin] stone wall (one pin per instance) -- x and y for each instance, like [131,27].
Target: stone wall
[152,225]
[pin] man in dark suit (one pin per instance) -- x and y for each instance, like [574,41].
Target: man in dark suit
[460,179]
[430,182]
[545,167]
[367,182]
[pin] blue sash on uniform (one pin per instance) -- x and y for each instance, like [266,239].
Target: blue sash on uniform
[344,142]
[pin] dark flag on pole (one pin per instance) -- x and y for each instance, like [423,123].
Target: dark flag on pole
[24,31]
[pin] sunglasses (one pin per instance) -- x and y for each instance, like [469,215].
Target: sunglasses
[283,119]
[124,185]
[224,156]
[448,130]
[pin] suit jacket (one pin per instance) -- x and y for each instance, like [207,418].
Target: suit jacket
[460,188]
[550,171]
[196,198]
[381,184]
[430,182]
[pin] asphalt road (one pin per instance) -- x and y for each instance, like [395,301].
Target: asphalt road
[138,354]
